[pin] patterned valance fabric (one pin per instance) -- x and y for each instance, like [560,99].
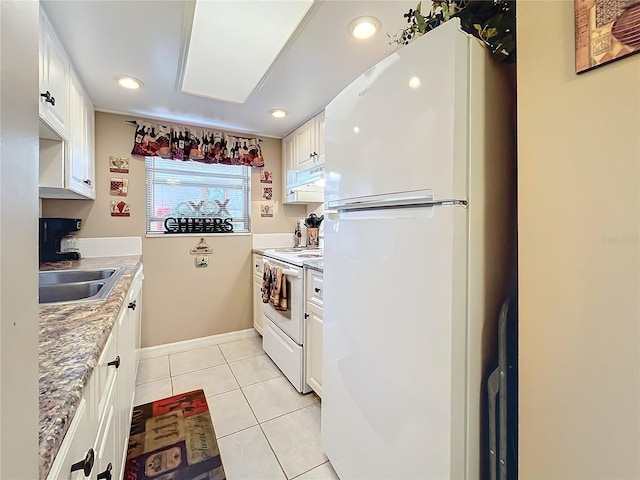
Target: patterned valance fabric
[196,144]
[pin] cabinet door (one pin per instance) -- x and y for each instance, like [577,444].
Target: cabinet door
[105,375]
[80,171]
[54,78]
[304,145]
[313,347]
[288,170]
[128,327]
[107,449]
[89,147]
[257,303]
[76,170]
[76,445]
[319,158]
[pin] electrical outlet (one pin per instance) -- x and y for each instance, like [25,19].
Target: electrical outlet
[202,261]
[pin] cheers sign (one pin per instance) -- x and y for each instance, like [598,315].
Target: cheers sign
[198,225]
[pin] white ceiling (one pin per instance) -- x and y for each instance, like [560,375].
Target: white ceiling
[147,38]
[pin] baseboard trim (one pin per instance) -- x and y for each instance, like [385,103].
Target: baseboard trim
[185,345]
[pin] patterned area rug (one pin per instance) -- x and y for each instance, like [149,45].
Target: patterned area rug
[173,439]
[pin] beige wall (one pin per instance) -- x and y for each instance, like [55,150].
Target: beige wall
[19,240]
[180,301]
[579,254]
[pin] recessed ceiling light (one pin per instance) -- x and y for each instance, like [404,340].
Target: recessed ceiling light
[131,83]
[362,28]
[278,112]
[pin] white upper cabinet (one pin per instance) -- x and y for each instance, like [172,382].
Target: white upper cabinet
[305,141]
[80,172]
[54,80]
[309,143]
[67,124]
[303,160]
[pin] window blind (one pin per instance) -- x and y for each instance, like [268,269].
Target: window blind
[193,189]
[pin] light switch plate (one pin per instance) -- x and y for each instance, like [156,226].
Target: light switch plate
[202,261]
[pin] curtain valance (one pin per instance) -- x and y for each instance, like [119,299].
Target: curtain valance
[197,144]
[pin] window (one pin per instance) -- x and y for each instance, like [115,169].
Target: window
[191,189]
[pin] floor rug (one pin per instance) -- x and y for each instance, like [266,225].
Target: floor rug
[173,439]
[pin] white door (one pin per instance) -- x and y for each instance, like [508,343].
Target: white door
[394,333]
[402,126]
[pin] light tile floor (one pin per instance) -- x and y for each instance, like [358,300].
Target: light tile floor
[265,428]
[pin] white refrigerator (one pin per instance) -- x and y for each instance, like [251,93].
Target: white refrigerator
[418,242]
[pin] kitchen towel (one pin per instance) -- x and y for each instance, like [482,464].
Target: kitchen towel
[173,438]
[278,294]
[266,282]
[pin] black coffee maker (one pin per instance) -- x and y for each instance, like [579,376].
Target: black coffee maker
[52,230]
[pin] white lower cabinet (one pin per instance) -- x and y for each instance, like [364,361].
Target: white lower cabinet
[128,344]
[77,449]
[257,292]
[313,330]
[95,444]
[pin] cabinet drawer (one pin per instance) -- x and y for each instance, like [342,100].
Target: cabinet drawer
[257,265]
[286,354]
[314,287]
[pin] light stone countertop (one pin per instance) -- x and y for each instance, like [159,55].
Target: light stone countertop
[72,337]
[315,264]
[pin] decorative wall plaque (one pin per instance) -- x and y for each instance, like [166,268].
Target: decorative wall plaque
[198,225]
[201,248]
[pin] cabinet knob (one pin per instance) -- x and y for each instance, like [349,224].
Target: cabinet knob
[87,181]
[106,475]
[314,154]
[132,305]
[306,315]
[317,290]
[49,98]
[115,363]
[85,464]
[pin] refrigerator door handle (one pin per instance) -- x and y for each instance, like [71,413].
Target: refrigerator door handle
[417,198]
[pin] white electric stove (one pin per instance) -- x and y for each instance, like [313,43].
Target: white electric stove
[283,331]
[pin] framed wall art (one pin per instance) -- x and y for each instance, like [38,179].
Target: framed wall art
[606,30]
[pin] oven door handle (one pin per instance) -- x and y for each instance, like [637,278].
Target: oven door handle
[291,273]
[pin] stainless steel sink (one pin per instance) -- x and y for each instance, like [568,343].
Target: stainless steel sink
[54,277]
[65,292]
[71,286]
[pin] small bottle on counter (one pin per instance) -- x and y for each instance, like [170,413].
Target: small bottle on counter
[303,233]
[297,235]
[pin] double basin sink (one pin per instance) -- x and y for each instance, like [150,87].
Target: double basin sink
[69,286]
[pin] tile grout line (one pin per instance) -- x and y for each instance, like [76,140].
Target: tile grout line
[274,452]
[260,426]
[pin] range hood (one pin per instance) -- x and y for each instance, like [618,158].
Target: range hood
[307,187]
